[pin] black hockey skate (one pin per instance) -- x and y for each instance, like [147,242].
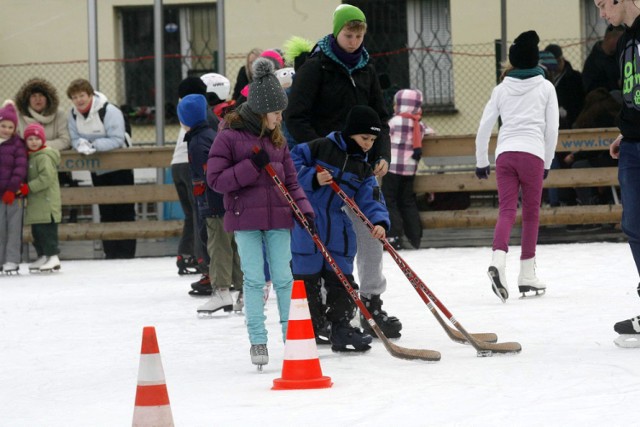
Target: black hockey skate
[347,339]
[629,331]
[390,325]
[201,288]
[187,265]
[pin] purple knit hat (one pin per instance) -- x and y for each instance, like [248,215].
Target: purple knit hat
[8,112]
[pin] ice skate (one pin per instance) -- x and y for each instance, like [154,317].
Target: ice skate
[527,280]
[10,268]
[187,264]
[35,266]
[629,331]
[259,355]
[390,325]
[348,339]
[239,304]
[202,287]
[52,264]
[498,275]
[220,300]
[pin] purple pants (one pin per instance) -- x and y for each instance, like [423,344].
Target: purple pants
[518,171]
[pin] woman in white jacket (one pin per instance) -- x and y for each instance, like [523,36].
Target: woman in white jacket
[528,108]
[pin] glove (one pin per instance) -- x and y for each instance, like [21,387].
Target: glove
[546,173]
[24,189]
[417,154]
[8,197]
[85,147]
[483,173]
[260,159]
[312,224]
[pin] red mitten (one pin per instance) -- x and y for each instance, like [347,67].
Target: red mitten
[199,189]
[8,197]
[24,189]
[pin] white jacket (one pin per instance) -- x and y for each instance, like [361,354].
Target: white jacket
[103,136]
[530,118]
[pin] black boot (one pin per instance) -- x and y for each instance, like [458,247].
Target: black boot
[346,338]
[317,309]
[390,325]
[202,287]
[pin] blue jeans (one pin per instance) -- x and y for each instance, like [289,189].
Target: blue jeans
[629,177]
[277,245]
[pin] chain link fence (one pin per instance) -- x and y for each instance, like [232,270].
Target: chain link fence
[474,70]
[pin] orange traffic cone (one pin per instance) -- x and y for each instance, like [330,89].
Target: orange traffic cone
[301,366]
[152,399]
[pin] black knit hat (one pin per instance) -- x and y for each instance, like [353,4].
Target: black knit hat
[523,53]
[265,91]
[191,86]
[362,120]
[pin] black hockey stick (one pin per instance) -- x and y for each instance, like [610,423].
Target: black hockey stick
[482,347]
[393,349]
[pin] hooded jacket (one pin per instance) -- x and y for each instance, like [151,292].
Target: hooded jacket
[355,177]
[401,133]
[529,112]
[43,200]
[252,201]
[324,91]
[13,164]
[628,46]
[52,118]
[104,135]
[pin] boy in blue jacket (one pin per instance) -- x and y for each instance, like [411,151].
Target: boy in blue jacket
[343,155]
[224,267]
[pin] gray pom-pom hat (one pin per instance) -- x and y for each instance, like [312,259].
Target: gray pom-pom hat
[265,92]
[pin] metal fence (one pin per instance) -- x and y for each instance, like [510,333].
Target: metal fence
[473,70]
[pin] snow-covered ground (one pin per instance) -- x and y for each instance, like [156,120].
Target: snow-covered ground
[70,348]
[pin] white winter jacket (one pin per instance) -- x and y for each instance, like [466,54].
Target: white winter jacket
[530,118]
[105,136]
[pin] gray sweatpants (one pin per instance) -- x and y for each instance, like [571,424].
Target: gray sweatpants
[10,232]
[368,259]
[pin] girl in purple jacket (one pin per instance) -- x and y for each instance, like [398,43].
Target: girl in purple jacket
[13,172]
[256,211]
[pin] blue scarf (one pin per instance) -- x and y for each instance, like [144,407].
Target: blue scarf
[526,73]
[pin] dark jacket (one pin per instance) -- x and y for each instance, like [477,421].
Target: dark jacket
[251,198]
[199,140]
[600,70]
[570,94]
[355,177]
[629,122]
[13,164]
[324,91]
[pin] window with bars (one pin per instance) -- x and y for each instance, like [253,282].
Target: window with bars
[190,45]
[594,26]
[410,45]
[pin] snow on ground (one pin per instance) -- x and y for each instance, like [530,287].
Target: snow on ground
[70,348]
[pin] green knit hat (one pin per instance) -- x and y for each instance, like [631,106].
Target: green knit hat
[346,13]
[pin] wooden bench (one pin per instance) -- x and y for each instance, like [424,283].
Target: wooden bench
[463,147]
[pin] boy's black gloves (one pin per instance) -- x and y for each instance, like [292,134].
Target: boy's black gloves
[260,159]
[417,154]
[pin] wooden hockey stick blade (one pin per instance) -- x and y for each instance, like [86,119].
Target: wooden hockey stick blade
[486,349]
[403,352]
[456,336]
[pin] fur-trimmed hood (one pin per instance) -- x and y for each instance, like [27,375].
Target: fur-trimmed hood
[37,85]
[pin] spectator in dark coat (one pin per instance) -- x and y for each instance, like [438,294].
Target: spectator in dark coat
[601,68]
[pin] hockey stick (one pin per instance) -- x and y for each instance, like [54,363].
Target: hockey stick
[483,348]
[393,349]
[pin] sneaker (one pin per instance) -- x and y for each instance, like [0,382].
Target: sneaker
[259,355]
[346,338]
[10,267]
[239,304]
[202,287]
[221,300]
[38,263]
[390,325]
[53,263]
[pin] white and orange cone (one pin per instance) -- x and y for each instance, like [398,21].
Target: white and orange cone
[152,399]
[301,366]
